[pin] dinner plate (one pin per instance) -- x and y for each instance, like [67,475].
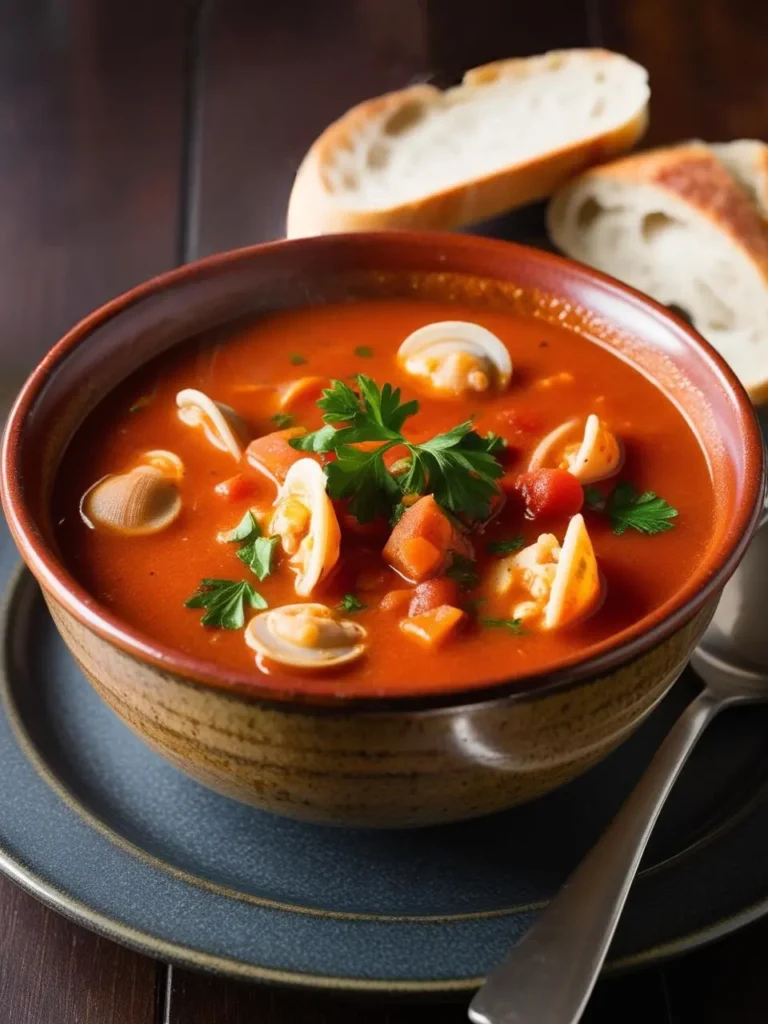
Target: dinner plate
[101,828]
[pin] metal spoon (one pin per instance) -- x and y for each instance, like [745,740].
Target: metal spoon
[550,974]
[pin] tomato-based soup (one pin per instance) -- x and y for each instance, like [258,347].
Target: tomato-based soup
[460,572]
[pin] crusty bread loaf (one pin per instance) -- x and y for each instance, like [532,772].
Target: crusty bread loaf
[512,132]
[747,160]
[676,224]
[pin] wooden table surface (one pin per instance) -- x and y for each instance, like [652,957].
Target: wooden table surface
[135,136]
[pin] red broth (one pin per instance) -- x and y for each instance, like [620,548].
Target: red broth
[558,374]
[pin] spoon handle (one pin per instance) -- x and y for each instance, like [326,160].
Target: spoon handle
[549,976]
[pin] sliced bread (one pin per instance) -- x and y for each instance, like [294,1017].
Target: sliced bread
[512,132]
[678,225]
[747,160]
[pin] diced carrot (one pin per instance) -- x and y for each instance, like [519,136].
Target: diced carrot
[434,627]
[421,556]
[422,541]
[433,593]
[237,487]
[396,600]
[272,455]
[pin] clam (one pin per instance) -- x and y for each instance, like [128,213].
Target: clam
[454,357]
[169,464]
[306,523]
[144,500]
[595,455]
[556,584]
[306,636]
[220,424]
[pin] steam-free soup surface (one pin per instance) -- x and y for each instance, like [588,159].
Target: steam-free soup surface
[557,375]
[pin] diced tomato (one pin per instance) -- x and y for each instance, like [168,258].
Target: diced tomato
[396,600]
[432,593]
[550,492]
[434,627]
[423,539]
[273,456]
[237,487]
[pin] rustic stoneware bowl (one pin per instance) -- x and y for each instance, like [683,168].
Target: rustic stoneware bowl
[410,760]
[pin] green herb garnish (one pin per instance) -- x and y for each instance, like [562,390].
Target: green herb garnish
[397,513]
[646,512]
[364,351]
[297,359]
[256,551]
[283,420]
[505,547]
[245,529]
[225,601]
[512,625]
[457,467]
[628,509]
[463,571]
[257,555]
[593,498]
[142,402]
[349,603]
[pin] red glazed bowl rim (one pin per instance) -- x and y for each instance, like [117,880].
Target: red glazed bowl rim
[709,578]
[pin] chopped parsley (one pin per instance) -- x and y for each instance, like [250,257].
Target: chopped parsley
[283,420]
[364,351]
[245,529]
[397,513]
[297,359]
[593,498]
[257,555]
[627,509]
[256,551]
[142,402]
[349,603]
[224,602]
[505,547]
[511,625]
[646,512]
[457,467]
[463,571]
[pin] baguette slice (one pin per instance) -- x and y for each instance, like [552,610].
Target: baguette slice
[676,224]
[512,132]
[747,161]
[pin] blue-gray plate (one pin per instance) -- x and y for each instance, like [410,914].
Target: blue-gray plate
[101,828]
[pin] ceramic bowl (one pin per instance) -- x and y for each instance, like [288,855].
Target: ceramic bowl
[403,761]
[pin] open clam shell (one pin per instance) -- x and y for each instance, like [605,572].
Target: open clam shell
[221,425]
[305,520]
[306,636]
[142,501]
[592,455]
[455,356]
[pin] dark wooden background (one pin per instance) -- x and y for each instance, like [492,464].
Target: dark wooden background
[135,136]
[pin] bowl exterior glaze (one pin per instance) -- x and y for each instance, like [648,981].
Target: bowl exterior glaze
[379,769]
[424,757]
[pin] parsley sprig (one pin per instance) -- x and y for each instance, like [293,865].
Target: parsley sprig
[459,467]
[511,625]
[224,602]
[505,547]
[464,572]
[628,509]
[256,551]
